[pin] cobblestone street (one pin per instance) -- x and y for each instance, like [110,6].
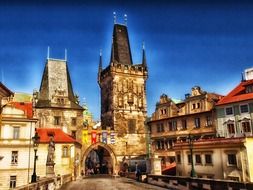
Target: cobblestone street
[108,184]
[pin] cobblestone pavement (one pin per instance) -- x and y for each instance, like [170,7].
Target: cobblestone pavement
[108,184]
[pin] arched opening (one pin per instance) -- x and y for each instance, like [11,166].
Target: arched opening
[99,159]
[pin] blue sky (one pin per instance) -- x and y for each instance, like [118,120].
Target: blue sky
[187,43]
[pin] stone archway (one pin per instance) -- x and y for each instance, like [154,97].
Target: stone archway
[95,146]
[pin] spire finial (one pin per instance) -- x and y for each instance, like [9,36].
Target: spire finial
[125,19]
[143,45]
[48,52]
[144,61]
[100,52]
[114,17]
[66,54]
[242,77]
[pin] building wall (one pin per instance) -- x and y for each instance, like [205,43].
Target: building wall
[167,123]
[221,167]
[46,120]
[236,119]
[16,118]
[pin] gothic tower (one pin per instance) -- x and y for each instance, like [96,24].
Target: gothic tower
[123,97]
[56,105]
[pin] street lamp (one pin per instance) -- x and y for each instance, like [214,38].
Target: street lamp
[36,140]
[193,173]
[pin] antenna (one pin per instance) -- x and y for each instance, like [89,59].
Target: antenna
[114,17]
[125,19]
[48,52]
[66,54]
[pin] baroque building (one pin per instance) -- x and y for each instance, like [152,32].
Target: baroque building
[174,120]
[123,98]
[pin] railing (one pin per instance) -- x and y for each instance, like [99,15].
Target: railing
[185,183]
[47,183]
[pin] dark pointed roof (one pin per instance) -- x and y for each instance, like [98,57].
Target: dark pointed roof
[121,51]
[56,76]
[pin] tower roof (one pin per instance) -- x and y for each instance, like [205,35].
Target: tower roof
[56,82]
[121,51]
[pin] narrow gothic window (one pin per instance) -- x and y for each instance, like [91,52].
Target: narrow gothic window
[131,126]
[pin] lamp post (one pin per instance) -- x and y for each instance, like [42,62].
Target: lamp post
[193,173]
[36,140]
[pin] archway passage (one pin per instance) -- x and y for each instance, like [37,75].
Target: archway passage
[98,161]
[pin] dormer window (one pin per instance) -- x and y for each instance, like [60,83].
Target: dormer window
[249,89]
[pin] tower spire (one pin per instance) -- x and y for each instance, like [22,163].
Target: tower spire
[48,52]
[144,61]
[66,54]
[114,17]
[99,66]
[125,19]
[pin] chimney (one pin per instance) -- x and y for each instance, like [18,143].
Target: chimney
[248,74]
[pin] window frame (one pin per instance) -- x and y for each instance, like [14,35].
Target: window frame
[14,132]
[65,151]
[195,122]
[228,128]
[232,162]
[211,159]
[198,159]
[248,126]
[13,182]
[14,157]
[240,106]
[229,108]
[57,120]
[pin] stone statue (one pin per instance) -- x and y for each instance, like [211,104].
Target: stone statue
[51,149]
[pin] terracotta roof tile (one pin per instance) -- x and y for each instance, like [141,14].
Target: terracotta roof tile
[237,94]
[59,135]
[26,107]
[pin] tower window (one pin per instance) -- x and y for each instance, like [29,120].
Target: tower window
[57,120]
[73,121]
[131,126]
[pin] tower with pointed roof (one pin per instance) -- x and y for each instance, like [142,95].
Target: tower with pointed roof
[123,97]
[56,105]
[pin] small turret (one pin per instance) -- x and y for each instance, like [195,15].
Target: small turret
[99,66]
[144,61]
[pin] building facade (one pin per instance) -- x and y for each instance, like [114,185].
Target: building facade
[17,128]
[123,98]
[174,120]
[217,158]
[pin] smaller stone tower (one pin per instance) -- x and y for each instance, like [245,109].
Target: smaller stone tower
[56,105]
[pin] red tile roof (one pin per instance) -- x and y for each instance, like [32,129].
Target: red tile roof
[238,94]
[59,135]
[26,107]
